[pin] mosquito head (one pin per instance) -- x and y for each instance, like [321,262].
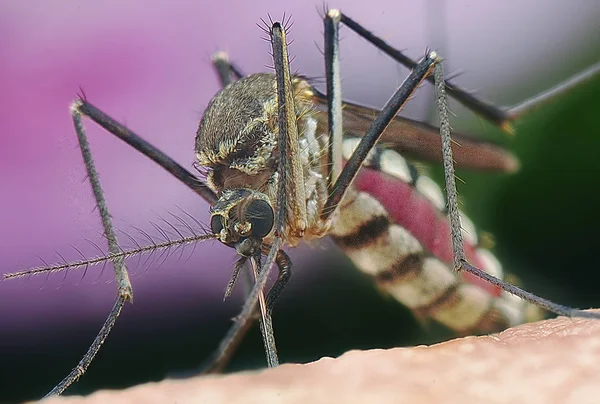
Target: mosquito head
[236,147]
[241,218]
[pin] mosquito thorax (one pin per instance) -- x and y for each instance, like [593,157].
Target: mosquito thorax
[236,144]
[240,125]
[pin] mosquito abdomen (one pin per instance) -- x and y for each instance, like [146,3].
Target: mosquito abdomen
[395,229]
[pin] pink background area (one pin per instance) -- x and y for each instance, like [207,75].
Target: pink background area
[147,64]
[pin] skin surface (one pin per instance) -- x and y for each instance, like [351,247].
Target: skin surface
[552,361]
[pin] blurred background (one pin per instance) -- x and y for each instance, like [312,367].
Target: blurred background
[147,64]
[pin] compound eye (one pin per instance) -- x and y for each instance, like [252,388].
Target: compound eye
[260,214]
[216,224]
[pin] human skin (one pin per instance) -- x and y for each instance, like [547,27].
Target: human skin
[551,361]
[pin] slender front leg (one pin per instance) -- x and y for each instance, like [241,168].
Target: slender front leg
[502,117]
[79,109]
[190,180]
[460,261]
[374,132]
[288,142]
[284,265]
[124,289]
[289,170]
[228,346]
[334,96]
[477,105]
[226,71]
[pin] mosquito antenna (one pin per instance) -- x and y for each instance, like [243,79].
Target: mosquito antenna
[189,228]
[108,257]
[176,230]
[460,261]
[135,244]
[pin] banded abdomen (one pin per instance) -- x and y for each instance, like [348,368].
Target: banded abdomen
[395,229]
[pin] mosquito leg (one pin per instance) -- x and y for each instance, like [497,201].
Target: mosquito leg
[82,108]
[288,187]
[290,161]
[119,130]
[290,178]
[290,190]
[515,112]
[460,262]
[502,117]
[226,70]
[229,344]
[334,95]
[84,363]
[124,289]
[284,264]
[487,110]
[236,271]
[221,357]
[448,162]
[227,74]
[374,132]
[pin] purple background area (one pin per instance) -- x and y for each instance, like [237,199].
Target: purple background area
[147,64]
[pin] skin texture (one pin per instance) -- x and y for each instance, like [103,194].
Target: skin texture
[552,361]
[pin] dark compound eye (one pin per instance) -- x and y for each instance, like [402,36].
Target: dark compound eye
[216,224]
[260,214]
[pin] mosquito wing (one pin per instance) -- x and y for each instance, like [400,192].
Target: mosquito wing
[422,141]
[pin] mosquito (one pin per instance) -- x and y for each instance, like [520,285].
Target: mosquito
[283,163]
